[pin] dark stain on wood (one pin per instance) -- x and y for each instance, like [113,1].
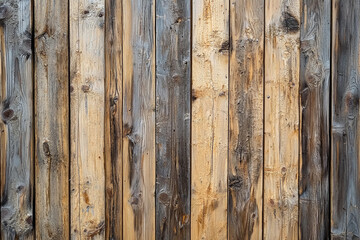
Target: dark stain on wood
[245,120]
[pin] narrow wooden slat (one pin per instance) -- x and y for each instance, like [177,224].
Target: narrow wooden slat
[281,154]
[16,125]
[139,119]
[345,153]
[52,119]
[314,89]
[246,120]
[173,119]
[210,63]
[87,173]
[113,119]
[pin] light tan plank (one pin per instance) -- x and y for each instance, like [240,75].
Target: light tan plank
[210,63]
[281,157]
[87,119]
[139,119]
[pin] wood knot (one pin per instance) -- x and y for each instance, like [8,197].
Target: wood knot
[4,12]
[85,88]
[46,149]
[7,114]
[289,23]
[29,220]
[179,20]
[225,46]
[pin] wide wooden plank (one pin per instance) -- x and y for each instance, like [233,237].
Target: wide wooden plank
[314,192]
[345,153]
[173,49]
[139,119]
[246,120]
[281,153]
[16,125]
[113,118]
[52,119]
[210,65]
[87,76]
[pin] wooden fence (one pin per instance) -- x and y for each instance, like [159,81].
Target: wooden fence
[179,119]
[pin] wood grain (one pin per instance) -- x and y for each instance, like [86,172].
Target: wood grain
[281,154]
[173,119]
[139,119]
[52,119]
[113,119]
[210,65]
[16,123]
[345,153]
[87,99]
[314,214]
[246,120]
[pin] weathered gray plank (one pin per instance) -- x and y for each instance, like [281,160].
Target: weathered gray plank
[139,119]
[314,189]
[345,153]
[246,119]
[52,119]
[113,119]
[16,108]
[173,119]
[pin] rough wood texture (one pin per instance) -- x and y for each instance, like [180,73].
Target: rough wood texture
[113,119]
[52,119]
[209,152]
[281,157]
[345,155]
[314,89]
[113,116]
[173,119]
[246,120]
[87,119]
[139,119]
[16,108]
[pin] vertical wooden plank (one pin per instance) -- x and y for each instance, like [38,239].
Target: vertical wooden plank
[315,149]
[16,123]
[87,119]
[281,155]
[52,119]
[173,119]
[210,65]
[246,120]
[345,153]
[139,119]
[113,119]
